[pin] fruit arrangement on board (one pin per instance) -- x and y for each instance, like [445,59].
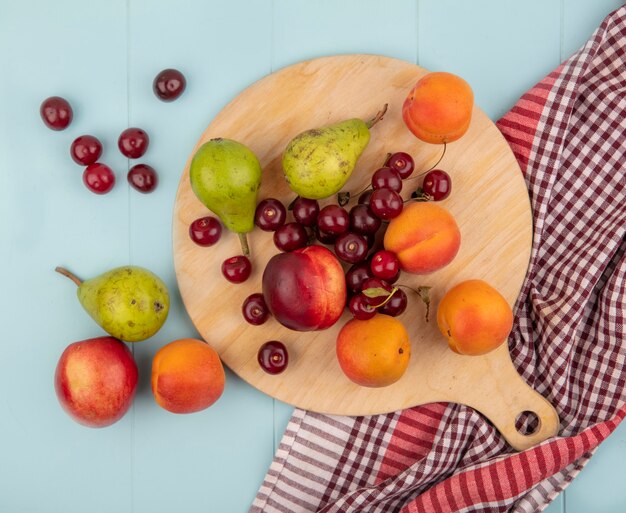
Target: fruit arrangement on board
[335,251]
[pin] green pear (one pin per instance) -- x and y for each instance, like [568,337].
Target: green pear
[318,162]
[129,303]
[225,176]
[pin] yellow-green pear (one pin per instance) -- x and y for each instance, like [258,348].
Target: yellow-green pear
[129,303]
[318,162]
[225,176]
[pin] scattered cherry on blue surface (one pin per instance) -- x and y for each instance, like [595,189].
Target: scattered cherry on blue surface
[333,219]
[305,211]
[437,184]
[360,308]
[386,203]
[56,113]
[270,214]
[133,142]
[402,162]
[86,149]
[387,178]
[255,309]
[385,265]
[351,247]
[143,178]
[205,231]
[169,84]
[98,178]
[236,269]
[290,236]
[273,357]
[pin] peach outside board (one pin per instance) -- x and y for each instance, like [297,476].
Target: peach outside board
[489,200]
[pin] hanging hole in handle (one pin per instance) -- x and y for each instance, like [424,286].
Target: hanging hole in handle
[527,423]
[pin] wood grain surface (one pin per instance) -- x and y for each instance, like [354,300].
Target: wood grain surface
[489,200]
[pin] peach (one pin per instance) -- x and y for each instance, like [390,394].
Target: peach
[187,376]
[95,381]
[474,317]
[425,237]
[305,289]
[375,352]
[439,108]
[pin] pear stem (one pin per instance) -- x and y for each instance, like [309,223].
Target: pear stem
[244,244]
[379,115]
[68,274]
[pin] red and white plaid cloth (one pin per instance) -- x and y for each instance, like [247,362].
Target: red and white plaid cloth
[568,342]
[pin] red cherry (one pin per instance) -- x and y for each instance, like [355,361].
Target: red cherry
[169,84]
[437,184]
[376,283]
[333,219]
[270,214]
[290,236]
[236,269]
[386,203]
[273,357]
[360,308]
[396,305]
[363,220]
[255,309]
[385,265]
[305,211]
[86,150]
[133,142]
[388,178]
[402,163]
[99,178]
[351,247]
[205,231]
[356,275]
[56,113]
[143,178]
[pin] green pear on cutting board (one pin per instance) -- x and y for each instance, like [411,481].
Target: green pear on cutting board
[129,303]
[225,176]
[318,162]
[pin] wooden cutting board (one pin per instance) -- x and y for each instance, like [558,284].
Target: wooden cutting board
[489,200]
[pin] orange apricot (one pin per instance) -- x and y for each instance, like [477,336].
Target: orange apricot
[439,108]
[375,352]
[474,317]
[187,376]
[425,237]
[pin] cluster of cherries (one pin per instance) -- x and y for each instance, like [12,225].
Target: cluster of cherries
[85,150]
[351,233]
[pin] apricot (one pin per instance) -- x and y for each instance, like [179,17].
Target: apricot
[425,237]
[375,352]
[474,317]
[187,376]
[439,108]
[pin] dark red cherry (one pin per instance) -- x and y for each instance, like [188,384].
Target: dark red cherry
[437,184]
[333,219]
[270,214]
[402,163]
[386,203]
[98,178]
[273,357]
[373,284]
[254,309]
[56,113]
[305,211]
[387,178]
[351,247]
[205,231]
[360,308]
[85,150]
[363,220]
[290,236]
[396,304]
[385,265]
[356,275]
[133,142]
[143,178]
[237,269]
[169,84]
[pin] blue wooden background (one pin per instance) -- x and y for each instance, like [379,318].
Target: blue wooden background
[102,55]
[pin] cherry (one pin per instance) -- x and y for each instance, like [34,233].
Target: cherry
[351,247]
[270,214]
[363,220]
[402,163]
[376,283]
[360,308]
[356,275]
[333,219]
[387,178]
[254,309]
[86,150]
[385,265]
[273,357]
[56,113]
[323,237]
[133,142]
[98,178]
[305,211]
[236,269]
[205,231]
[364,199]
[143,178]
[396,305]
[290,236]
[169,84]
[437,184]
[386,203]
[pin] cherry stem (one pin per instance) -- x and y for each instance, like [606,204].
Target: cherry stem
[345,197]
[244,244]
[68,274]
[379,115]
[388,298]
[431,167]
[422,292]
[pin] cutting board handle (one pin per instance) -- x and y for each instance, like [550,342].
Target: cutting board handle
[504,404]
